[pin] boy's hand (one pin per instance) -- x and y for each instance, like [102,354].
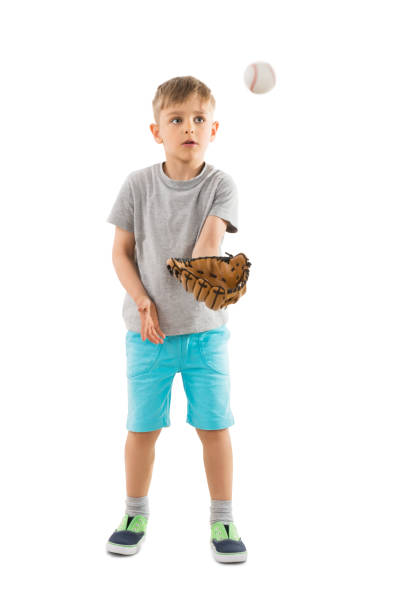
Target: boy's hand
[149,320]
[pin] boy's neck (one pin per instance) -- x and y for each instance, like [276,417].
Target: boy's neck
[182,171]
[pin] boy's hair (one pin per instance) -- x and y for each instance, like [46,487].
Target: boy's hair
[178,90]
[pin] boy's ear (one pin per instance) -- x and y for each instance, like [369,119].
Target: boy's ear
[214,128]
[154,128]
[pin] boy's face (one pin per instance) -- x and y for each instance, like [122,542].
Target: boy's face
[191,120]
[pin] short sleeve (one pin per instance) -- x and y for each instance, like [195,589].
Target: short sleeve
[225,204]
[122,213]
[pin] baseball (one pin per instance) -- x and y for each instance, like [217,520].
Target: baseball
[259,77]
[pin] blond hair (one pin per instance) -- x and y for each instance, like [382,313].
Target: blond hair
[177,90]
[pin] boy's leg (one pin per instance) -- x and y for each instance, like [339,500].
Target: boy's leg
[226,544]
[139,460]
[218,462]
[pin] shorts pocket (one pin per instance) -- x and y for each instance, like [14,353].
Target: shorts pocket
[141,356]
[213,345]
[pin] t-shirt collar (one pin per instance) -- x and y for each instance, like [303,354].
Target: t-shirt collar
[176,184]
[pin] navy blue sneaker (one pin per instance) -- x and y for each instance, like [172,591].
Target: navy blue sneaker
[226,545]
[129,536]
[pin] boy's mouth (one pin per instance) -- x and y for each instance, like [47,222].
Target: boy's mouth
[190,142]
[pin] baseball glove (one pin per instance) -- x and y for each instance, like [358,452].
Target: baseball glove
[217,281]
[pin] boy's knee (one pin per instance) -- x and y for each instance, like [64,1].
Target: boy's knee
[211,434]
[147,436]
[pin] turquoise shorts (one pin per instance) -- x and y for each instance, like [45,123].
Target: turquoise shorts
[201,358]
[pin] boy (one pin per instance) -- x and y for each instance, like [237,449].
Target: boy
[182,208]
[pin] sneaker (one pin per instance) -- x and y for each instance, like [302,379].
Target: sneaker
[226,545]
[129,536]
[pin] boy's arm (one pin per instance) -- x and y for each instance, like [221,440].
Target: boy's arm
[124,264]
[209,241]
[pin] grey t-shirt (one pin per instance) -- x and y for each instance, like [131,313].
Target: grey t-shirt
[167,216]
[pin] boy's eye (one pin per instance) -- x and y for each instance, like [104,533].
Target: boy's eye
[176,119]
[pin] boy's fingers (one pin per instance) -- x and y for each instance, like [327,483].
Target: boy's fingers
[151,334]
[149,330]
[157,335]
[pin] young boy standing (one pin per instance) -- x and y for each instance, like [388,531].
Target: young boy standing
[177,208]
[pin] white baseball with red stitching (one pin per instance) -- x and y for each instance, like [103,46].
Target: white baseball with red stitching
[259,77]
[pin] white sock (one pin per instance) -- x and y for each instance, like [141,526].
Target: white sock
[137,505]
[221,510]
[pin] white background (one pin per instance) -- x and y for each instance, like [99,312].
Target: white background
[318,348]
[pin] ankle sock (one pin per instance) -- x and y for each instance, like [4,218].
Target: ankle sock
[137,505]
[221,510]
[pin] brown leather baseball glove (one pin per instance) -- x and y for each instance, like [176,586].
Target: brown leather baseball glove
[217,281]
